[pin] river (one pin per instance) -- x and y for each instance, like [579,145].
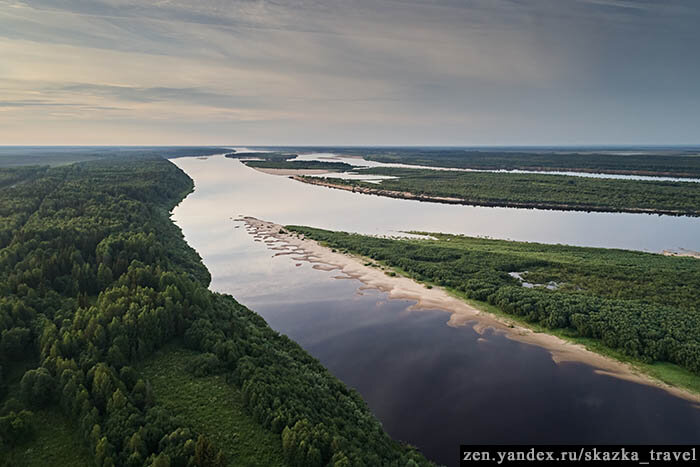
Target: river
[430,384]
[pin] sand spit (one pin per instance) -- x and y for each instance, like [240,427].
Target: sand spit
[436,298]
[682,252]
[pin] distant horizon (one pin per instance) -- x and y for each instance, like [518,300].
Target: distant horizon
[446,146]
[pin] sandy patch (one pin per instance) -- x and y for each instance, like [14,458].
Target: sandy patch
[682,252]
[436,298]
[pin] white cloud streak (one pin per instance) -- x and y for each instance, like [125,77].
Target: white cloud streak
[349,72]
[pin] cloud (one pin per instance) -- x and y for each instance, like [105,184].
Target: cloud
[364,71]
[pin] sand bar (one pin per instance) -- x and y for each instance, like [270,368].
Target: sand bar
[436,298]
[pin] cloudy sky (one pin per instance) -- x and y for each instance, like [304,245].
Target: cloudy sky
[363,72]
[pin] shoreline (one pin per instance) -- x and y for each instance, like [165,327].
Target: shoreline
[290,172]
[436,298]
[504,204]
[683,253]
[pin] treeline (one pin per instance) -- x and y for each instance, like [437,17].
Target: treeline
[544,191]
[12,156]
[95,277]
[266,156]
[644,305]
[301,165]
[676,163]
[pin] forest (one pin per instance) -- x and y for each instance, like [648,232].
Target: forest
[657,161]
[15,156]
[95,281]
[543,191]
[301,165]
[676,162]
[262,156]
[644,305]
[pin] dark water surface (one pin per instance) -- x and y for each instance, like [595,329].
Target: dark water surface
[429,384]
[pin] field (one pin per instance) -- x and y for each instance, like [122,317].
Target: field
[55,441]
[212,406]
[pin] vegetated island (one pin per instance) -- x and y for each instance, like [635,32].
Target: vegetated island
[264,156]
[670,162]
[638,308]
[114,351]
[327,166]
[279,163]
[541,191]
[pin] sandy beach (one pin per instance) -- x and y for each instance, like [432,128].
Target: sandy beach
[461,313]
[682,252]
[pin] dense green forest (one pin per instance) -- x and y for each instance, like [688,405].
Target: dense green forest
[645,305]
[535,190]
[96,282]
[266,156]
[301,165]
[12,156]
[677,162]
[671,161]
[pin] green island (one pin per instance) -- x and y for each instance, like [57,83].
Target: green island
[542,191]
[111,341]
[660,162]
[641,308]
[300,165]
[263,156]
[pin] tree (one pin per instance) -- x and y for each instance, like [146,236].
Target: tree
[206,455]
[37,387]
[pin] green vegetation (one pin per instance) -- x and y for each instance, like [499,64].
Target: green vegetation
[13,176]
[185,384]
[543,191]
[54,440]
[94,280]
[266,156]
[301,165]
[12,156]
[676,162]
[633,305]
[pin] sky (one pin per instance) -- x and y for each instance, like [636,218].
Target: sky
[350,72]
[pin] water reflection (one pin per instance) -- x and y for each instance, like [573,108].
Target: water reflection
[438,387]
[432,385]
[232,188]
[358,162]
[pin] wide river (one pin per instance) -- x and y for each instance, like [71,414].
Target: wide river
[430,384]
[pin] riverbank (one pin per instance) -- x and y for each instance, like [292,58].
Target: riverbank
[529,191]
[462,312]
[291,172]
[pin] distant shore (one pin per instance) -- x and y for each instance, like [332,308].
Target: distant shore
[452,200]
[462,313]
[291,172]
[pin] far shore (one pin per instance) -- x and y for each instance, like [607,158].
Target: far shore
[291,172]
[437,298]
[378,191]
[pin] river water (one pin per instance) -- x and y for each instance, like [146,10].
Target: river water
[430,384]
[361,163]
